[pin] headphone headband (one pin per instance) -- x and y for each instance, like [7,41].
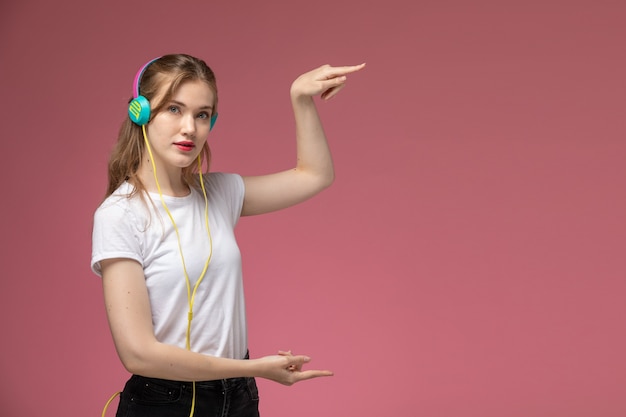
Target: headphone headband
[139,75]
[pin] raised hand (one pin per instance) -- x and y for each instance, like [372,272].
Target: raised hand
[326,81]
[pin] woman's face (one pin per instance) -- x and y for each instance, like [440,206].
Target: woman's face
[179,131]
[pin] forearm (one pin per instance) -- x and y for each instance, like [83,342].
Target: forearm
[159,360]
[313,154]
[163,361]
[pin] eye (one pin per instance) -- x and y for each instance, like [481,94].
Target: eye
[204,115]
[173,109]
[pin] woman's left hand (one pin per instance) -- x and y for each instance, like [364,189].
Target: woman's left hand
[326,81]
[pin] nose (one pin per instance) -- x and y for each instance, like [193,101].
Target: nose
[188,125]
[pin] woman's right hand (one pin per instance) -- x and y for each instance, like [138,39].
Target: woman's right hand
[286,368]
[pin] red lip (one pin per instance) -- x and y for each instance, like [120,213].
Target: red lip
[185,146]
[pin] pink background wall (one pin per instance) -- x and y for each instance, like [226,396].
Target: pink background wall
[469,260]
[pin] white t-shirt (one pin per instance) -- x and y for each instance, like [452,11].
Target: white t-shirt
[129,228]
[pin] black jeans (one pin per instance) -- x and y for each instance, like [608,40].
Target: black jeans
[151,397]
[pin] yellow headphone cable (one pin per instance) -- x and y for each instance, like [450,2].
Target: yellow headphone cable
[191,295]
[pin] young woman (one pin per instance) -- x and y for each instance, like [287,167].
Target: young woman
[164,245]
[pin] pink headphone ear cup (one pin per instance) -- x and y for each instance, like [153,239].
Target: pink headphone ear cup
[139,110]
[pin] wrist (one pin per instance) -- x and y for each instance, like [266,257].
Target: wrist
[253,368]
[297,93]
[298,99]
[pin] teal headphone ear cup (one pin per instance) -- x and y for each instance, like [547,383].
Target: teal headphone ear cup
[213,120]
[139,110]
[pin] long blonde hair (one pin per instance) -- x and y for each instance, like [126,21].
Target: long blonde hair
[168,71]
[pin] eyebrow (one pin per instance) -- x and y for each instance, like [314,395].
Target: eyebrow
[207,107]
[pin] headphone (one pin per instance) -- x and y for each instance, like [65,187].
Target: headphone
[139,107]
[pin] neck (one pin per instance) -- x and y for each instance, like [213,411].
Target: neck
[170,181]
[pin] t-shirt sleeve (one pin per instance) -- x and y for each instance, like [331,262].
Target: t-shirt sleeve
[115,234]
[231,190]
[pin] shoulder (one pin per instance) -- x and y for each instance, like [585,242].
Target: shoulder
[227,190]
[122,205]
[224,183]
[223,179]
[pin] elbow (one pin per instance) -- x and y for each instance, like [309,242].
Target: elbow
[133,363]
[321,184]
[135,360]
[327,181]
[312,184]
[132,366]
